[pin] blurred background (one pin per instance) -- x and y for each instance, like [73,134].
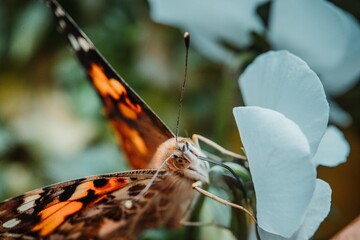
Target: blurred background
[51,123]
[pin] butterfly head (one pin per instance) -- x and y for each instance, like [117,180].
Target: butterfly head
[182,157]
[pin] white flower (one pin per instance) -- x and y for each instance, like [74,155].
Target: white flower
[211,22]
[325,37]
[317,31]
[282,129]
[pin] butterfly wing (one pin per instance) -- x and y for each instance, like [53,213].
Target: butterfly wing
[87,208]
[137,127]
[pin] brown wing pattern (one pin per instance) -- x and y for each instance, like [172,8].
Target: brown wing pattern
[137,127]
[87,208]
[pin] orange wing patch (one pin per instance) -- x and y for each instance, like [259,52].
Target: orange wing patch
[112,87]
[86,208]
[55,215]
[134,139]
[103,83]
[85,194]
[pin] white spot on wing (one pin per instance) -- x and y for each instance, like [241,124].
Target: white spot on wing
[59,12]
[26,206]
[128,204]
[29,202]
[85,45]
[74,43]
[31,198]
[62,24]
[11,223]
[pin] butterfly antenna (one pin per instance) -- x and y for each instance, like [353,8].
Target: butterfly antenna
[187,44]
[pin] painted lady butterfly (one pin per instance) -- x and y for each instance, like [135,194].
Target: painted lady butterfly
[119,205]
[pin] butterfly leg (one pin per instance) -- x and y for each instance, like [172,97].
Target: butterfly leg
[197,187]
[197,138]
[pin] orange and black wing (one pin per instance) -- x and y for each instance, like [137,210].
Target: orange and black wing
[138,129]
[88,208]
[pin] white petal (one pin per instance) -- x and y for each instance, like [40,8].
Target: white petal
[279,159]
[212,20]
[318,210]
[209,47]
[269,236]
[333,149]
[325,36]
[283,82]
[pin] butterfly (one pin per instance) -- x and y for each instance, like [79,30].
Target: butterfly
[123,204]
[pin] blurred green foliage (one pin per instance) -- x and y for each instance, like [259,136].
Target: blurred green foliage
[51,124]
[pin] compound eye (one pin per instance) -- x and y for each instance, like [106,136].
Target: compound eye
[181,163]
